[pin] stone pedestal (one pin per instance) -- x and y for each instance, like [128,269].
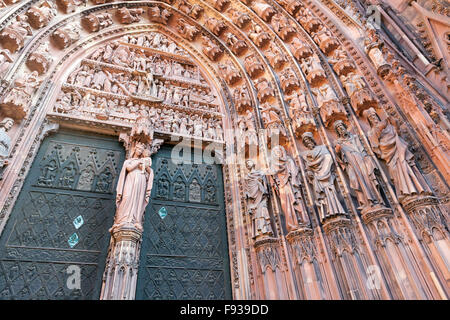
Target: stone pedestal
[119,279]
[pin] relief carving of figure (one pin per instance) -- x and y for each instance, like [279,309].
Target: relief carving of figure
[256,193]
[134,188]
[241,99]
[5,142]
[388,146]
[13,36]
[239,18]
[5,60]
[259,36]
[263,10]
[276,57]
[360,167]
[15,101]
[287,186]
[320,172]
[372,47]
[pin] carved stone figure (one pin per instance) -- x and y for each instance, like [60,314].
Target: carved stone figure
[300,114]
[237,46]
[263,10]
[320,172]
[15,101]
[306,18]
[388,146]
[215,26]
[330,108]
[259,36]
[264,89]
[127,16]
[360,167]
[40,15]
[327,42]
[282,26]
[256,193]
[5,142]
[272,122]
[291,6]
[300,49]
[156,14]
[230,73]
[193,11]
[65,36]
[212,50]
[313,70]
[220,5]
[96,21]
[241,99]
[360,97]
[288,81]
[40,59]
[342,65]
[287,185]
[372,46]
[5,60]
[187,31]
[275,56]
[133,189]
[241,19]
[13,36]
[252,65]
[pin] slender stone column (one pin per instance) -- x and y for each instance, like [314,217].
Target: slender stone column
[133,195]
[120,277]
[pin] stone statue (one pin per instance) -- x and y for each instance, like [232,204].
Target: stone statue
[287,186]
[256,194]
[320,172]
[5,142]
[359,166]
[15,102]
[134,188]
[5,60]
[388,146]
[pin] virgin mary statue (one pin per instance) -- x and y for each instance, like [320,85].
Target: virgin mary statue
[134,188]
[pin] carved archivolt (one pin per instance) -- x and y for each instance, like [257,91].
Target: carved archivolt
[275,72]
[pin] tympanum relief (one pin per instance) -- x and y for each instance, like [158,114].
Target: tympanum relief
[144,75]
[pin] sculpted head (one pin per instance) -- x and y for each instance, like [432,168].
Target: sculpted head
[308,140]
[340,128]
[249,164]
[372,116]
[7,123]
[139,149]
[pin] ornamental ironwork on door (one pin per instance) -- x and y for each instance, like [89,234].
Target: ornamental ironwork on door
[184,252]
[55,242]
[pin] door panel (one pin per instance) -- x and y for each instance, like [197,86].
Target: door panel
[61,219]
[184,251]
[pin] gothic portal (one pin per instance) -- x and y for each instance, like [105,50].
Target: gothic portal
[217,149]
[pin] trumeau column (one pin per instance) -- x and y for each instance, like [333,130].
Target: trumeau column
[133,195]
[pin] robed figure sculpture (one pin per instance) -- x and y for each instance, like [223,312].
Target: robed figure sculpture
[287,185]
[388,146]
[360,167]
[257,194]
[134,188]
[320,171]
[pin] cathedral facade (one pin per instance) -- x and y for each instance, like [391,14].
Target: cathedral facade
[224,149]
